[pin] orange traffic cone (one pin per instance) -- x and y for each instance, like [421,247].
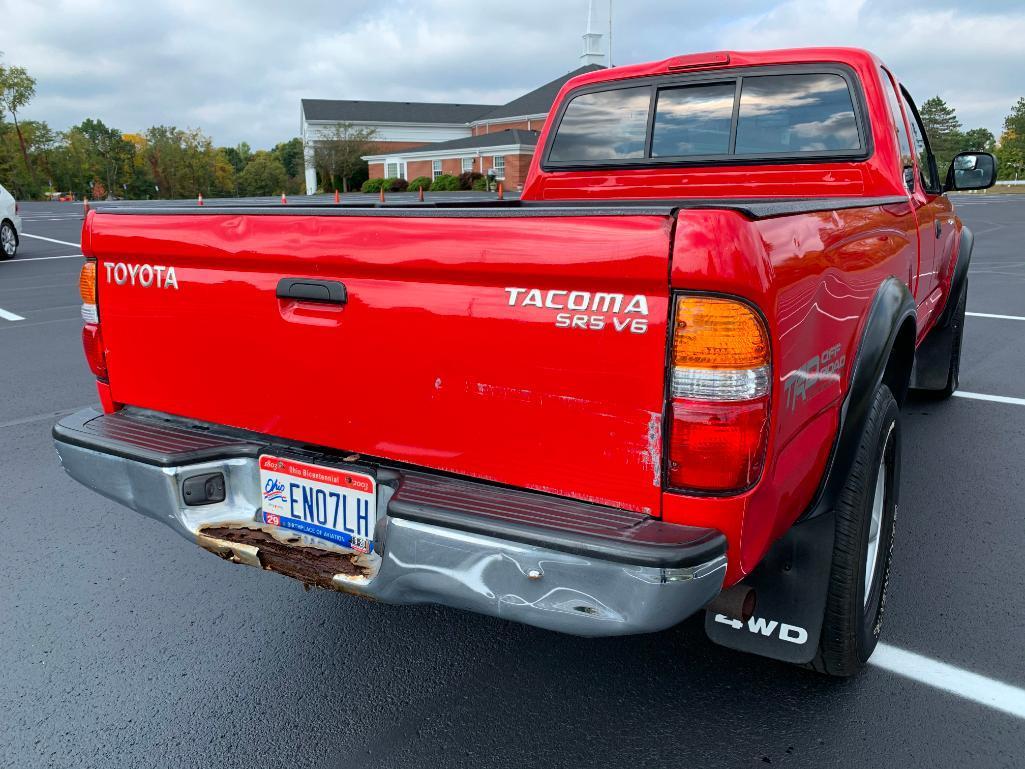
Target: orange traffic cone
[337,199]
[382,195]
[199,201]
[501,191]
[421,194]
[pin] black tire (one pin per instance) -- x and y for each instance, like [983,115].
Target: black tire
[8,235]
[852,623]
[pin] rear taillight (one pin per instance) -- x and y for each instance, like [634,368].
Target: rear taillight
[87,289]
[92,342]
[719,395]
[92,339]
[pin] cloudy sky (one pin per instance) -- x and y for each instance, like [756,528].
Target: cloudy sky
[237,68]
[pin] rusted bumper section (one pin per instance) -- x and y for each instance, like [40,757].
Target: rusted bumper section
[313,566]
[437,540]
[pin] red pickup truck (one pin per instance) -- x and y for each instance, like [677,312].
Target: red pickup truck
[666,379]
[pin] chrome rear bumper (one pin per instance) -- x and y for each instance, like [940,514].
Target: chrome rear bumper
[554,579]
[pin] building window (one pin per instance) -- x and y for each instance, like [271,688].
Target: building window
[394,169]
[498,163]
[435,169]
[467,165]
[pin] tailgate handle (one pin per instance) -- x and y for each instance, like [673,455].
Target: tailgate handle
[312,290]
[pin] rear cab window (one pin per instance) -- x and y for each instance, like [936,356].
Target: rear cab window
[797,112]
[606,125]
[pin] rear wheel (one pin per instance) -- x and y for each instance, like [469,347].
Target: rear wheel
[8,241]
[865,516]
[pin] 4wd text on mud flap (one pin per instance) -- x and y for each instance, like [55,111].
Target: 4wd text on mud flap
[760,625]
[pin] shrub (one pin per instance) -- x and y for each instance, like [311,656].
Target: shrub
[372,185]
[445,183]
[420,182]
[468,178]
[481,184]
[396,185]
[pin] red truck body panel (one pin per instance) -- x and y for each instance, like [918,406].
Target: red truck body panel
[814,275]
[441,359]
[427,363]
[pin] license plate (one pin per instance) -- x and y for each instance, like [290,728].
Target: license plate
[331,503]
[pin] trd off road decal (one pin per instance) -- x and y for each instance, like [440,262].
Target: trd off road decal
[808,380]
[587,310]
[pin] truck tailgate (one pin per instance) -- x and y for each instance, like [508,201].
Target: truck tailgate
[527,350]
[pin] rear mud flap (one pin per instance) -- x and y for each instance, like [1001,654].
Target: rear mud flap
[790,587]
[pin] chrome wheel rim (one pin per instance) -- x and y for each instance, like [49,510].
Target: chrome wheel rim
[7,239]
[875,524]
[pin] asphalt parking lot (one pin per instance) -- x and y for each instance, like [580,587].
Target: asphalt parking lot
[124,646]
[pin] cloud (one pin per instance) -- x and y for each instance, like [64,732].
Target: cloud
[238,69]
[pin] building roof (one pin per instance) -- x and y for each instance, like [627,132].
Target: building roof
[538,101]
[508,137]
[344,110]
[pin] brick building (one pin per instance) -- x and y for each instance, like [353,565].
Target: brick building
[428,139]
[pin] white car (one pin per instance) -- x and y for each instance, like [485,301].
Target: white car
[10,225]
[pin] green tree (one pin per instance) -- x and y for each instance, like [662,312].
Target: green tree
[978,140]
[264,175]
[71,164]
[943,129]
[111,154]
[139,176]
[40,142]
[238,156]
[17,88]
[290,154]
[1011,152]
[185,164]
[338,154]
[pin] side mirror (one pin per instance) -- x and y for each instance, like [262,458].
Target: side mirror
[971,171]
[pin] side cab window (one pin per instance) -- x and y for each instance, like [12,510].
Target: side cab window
[926,162]
[907,161]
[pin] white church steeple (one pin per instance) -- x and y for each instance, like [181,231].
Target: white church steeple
[593,54]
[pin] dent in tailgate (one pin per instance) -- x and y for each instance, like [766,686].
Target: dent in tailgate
[432,360]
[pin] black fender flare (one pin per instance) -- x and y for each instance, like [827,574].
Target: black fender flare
[960,276]
[892,307]
[792,581]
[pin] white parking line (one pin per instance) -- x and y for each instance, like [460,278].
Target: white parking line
[52,240]
[42,258]
[971,686]
[993,398]
[998,317]
[9,315]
